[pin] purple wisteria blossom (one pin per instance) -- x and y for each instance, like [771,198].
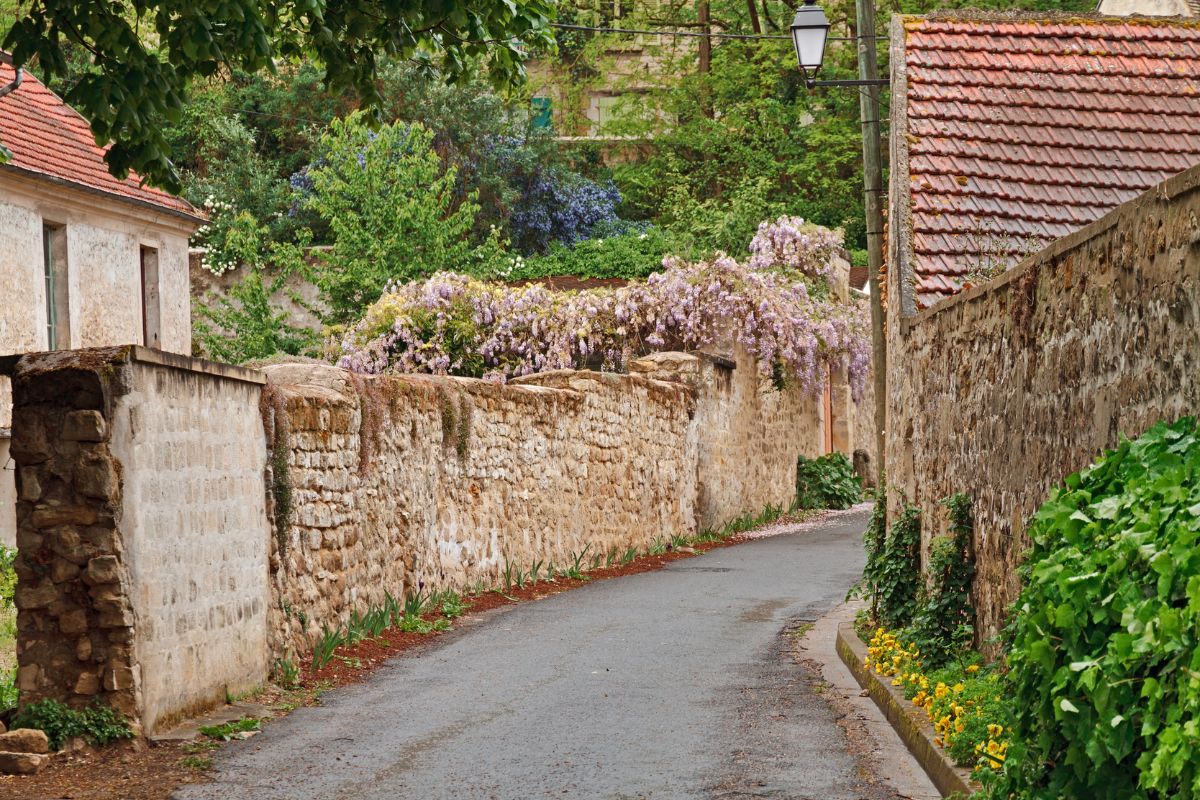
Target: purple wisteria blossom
[459,325]
[791,244]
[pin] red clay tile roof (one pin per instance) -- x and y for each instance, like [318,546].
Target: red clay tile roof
[1020,132]
[48,138]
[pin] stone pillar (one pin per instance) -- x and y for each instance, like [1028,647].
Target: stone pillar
[74,618]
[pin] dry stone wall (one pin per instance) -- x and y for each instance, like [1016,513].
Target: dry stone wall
[749,432]
[397,481]
[1004,390]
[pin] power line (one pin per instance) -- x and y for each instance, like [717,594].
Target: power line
[588,28]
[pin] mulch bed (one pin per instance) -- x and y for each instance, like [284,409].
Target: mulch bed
[142,770]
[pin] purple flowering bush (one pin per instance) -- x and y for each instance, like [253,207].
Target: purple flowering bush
[455,324]
[558,206]
[789,243]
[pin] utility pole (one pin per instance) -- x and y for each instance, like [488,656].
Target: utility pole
[869,109]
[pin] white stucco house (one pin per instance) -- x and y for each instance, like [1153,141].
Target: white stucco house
[85,259]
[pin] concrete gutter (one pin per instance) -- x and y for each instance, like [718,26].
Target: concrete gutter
[915,729]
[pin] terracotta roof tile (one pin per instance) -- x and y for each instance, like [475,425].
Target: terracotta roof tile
[1021,131]
[49,138]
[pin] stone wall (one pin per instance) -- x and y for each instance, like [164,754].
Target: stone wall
[398,480]
[1003,390]
[749,432]
[141,530]
[180,523]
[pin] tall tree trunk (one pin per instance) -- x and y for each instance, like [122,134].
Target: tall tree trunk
[754,23]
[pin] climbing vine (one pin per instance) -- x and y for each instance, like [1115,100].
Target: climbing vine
[945,620]
[273,408]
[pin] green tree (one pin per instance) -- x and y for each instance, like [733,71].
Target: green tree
[244,324]
[391,206]
[143,53]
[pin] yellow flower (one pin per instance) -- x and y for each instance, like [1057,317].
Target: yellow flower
[973,669]
[995,730]
[958,688]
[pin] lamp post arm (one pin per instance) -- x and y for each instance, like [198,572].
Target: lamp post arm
[811,84]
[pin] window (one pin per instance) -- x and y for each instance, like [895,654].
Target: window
[151,313]
[58,321]
[606,110]
[542,111]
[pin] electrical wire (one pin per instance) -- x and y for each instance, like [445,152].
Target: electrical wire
[591,29]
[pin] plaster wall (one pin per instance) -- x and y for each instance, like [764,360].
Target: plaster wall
[104,237]
[193,523]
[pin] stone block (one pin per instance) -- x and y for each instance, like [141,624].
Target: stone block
[83,649]
[28,677]
[84,426]
[62,570]
[25,740]
[21,763]
[66,543]
[96,477]
[117,618]
[29,444]
[118,677]
[88,684]
[29,485]
[54,516]
[73,622]
[39,595]
[101,570]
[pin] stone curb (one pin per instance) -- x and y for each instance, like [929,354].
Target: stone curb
[915,730]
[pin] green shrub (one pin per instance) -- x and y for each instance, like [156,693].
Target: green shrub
[874,544]
[1104,648]
[897,576]
[100,724]
[945,620]
[392,207]
[628,255]
[826,482]
[244,325]
[8,575]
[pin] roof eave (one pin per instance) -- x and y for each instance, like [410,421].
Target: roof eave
[196,219]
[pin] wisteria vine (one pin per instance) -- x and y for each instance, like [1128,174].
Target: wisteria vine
[456,324]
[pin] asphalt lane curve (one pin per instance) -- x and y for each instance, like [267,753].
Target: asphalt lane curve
[668,684]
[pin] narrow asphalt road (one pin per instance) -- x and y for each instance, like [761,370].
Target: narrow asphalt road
[670,684]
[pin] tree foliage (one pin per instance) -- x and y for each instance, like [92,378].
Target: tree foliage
[142,54]
[392,209]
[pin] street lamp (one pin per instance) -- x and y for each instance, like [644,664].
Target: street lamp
[810,31]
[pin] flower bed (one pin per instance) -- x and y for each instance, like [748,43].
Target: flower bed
[963,700]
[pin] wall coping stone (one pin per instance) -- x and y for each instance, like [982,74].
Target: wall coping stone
[95,357]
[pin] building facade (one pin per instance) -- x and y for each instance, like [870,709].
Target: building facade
[85,259]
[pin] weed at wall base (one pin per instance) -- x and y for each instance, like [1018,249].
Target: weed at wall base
[98,723]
